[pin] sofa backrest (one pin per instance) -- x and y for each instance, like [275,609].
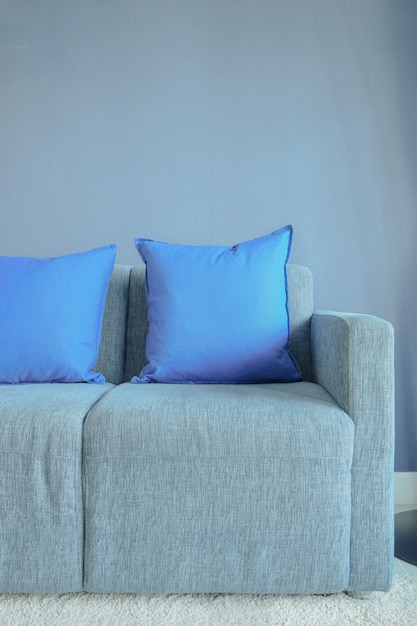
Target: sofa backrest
[125,325]
[112,354]
[300,308]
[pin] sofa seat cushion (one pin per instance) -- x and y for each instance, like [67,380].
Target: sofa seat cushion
[217,489]
[41,521]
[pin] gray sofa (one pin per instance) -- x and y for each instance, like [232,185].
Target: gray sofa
[269,488]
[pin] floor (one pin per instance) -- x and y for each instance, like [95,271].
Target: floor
[401,567]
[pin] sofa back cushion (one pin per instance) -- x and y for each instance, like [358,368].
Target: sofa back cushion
[300,310]
[112,354]
[300,304]
[125,326]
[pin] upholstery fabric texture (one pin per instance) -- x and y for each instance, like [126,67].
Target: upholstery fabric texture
[138,325]
[249,488]
[300,309]
[41,520]
[218,314]
[353,358]
[111,360]
[217,488]
[51,312]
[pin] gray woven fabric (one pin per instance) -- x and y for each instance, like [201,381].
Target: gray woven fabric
[353,358]
[112,354]
[194,488]
[138,323]
[300,310]
[41,519]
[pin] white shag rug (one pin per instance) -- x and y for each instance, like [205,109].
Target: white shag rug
[398,607]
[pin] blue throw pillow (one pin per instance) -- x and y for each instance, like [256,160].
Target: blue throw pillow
[218,314]
[51,313]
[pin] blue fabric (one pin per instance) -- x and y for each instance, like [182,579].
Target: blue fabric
[51,312]
[218,314]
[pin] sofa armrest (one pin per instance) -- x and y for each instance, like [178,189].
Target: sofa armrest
[353,359]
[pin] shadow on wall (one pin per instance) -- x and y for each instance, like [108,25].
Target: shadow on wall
[402,17]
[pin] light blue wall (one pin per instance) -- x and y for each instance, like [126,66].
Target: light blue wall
[213,121]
